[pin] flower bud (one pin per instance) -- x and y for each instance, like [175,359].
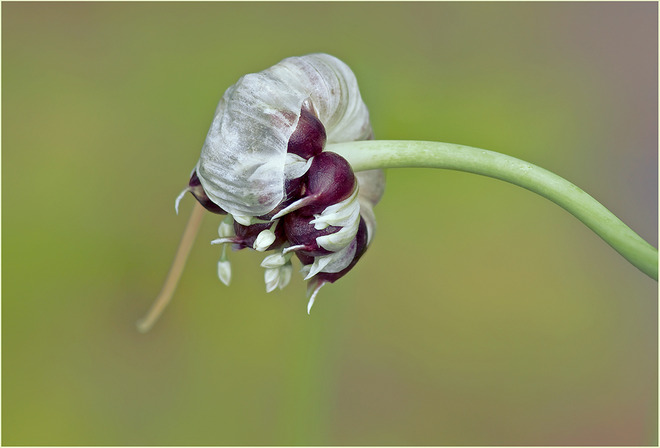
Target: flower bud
[261,236]
[302,234]
[226,227]
[278,271]
[309,137]
[330,180]
[224,271]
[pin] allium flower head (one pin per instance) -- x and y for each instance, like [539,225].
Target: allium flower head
[268,167]
[263,164]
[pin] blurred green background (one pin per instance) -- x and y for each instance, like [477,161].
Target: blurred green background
[481,315]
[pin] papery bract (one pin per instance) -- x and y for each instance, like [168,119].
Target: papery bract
[242,164]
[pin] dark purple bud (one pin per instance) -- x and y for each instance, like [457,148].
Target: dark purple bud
[308,139]
[195,187]
[328,181]
[247,235]
[300,232]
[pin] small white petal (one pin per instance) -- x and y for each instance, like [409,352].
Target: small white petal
[285,275]
[271,278]
[264,240]
[274,261]
[334,262]
[336,241]
[243,220]
[226,227]
[178,199]
[224,271]
[222,240]
[338,214]
[318,265]
[342,258]
[300,203]
[286,250]
[311,299]
[296,166]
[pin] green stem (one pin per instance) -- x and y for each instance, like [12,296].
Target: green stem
[372,154]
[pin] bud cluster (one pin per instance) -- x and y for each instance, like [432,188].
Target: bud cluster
[318,220]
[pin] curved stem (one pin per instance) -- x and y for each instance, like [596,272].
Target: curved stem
[372,154]
[176,270]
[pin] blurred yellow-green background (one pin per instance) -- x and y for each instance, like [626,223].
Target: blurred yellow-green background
[481,315]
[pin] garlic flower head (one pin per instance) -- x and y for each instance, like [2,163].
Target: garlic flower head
[242,167]
[263,164]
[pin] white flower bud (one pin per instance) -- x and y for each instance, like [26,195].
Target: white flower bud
[224,271]
[285,275]
[274,261]
[244,220]
[226,227]
[264,240]
[278,276]
[271,278]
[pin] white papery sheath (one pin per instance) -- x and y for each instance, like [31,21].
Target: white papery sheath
[242,165]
